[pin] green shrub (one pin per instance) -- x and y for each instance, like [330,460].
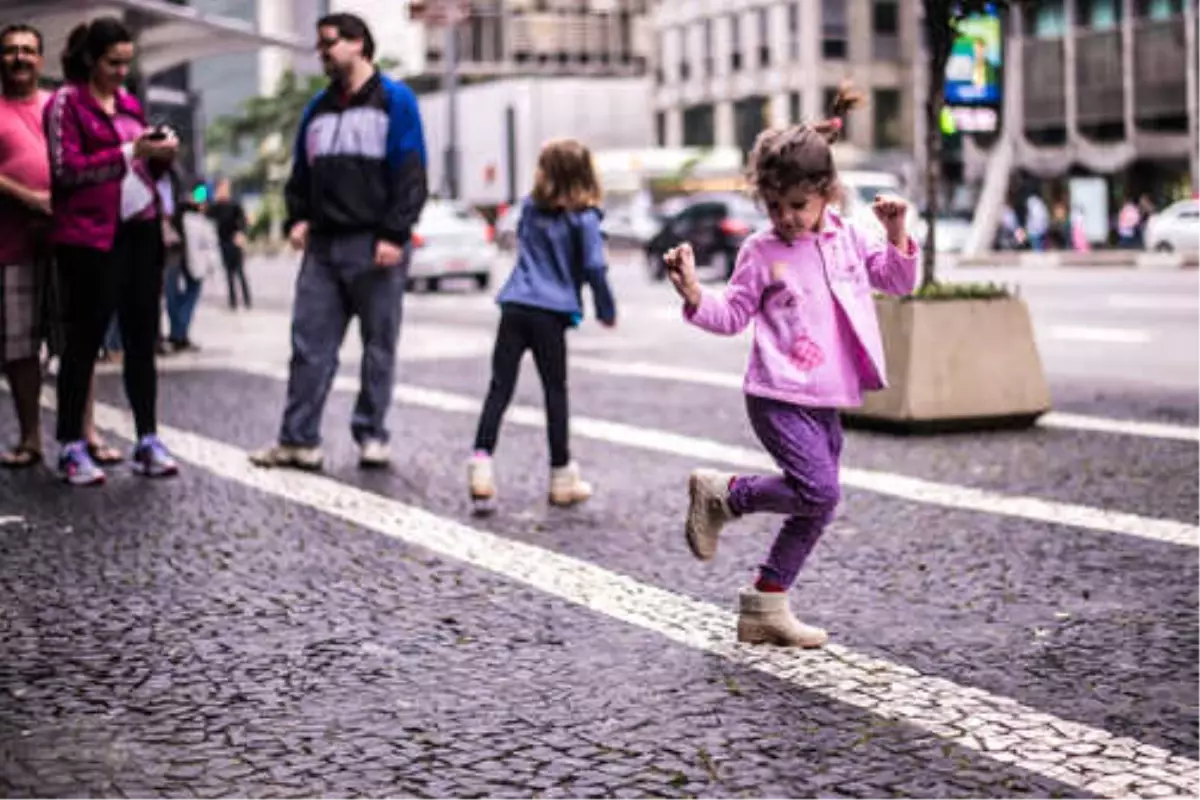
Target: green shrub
[961,291]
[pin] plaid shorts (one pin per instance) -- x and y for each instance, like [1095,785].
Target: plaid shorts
[21,312]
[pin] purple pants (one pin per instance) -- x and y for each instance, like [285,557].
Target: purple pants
[806,443]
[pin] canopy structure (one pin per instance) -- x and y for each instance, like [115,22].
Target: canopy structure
[168,34]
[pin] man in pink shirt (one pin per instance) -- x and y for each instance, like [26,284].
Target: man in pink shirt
[24,206]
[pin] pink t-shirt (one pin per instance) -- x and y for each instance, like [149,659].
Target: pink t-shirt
[24,159]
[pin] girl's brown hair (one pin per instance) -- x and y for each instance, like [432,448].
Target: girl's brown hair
[801,155]
[565,177]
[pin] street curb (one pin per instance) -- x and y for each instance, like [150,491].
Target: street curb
[1096,260]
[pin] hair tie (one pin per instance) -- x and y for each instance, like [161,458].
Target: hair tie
[836,122]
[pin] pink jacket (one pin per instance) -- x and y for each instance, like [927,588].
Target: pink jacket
[86,166]
[816,336]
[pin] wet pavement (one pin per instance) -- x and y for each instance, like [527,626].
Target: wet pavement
[235,632]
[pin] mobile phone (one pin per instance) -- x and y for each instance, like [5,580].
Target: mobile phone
[157,134]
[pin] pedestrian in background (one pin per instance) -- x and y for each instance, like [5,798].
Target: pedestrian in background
[104,162]
[230,219]
[356,190]
[182,281]
[559,249]
[806,283]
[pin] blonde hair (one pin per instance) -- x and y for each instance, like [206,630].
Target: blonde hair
[566,178]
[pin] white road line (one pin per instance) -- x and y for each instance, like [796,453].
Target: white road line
[730,380]
[1080,333]
[710,451]
[999,727]
[1154,302]
[1150,430]
[11,521]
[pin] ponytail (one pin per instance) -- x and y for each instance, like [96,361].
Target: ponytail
[846,100]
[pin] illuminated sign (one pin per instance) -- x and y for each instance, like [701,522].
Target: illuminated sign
[973,69]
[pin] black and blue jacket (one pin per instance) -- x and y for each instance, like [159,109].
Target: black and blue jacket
[359,163]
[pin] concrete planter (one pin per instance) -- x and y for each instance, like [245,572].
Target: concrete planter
[956,364]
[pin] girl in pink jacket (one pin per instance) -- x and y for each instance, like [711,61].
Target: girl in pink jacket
[806,284]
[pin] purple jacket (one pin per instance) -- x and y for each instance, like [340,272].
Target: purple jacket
[86,166]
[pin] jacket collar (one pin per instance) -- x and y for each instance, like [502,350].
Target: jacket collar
[125,102]
[832,226]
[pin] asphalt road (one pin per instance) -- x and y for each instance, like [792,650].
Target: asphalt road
[1013,614]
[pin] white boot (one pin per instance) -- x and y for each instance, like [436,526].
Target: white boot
[708,511]
[766,618]
[566,487]
[481,483]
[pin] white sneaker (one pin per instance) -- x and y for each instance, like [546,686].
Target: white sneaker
[708,511]
[286,455]
[766,618]
[374,454]
[567,488]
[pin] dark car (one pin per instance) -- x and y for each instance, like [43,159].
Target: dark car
[714,224]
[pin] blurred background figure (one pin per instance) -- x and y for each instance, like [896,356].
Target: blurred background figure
[230,219]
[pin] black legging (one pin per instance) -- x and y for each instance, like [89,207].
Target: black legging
[544,332]
[235,272]
[127,279]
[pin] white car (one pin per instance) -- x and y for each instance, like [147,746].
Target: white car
[861,188]
[450,242]
[1175,229]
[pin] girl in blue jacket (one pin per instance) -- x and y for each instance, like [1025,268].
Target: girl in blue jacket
[559,248]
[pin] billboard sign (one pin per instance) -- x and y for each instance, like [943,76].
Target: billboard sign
[973,69]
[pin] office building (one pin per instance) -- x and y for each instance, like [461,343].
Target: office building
[725,69]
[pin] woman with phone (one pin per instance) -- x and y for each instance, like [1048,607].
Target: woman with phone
[106,228]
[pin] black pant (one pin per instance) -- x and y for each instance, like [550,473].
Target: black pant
[544,332]
[235,272]
[94,283]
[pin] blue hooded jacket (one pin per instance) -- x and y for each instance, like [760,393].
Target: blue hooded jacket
[558,252]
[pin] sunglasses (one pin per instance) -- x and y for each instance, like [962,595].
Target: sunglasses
[15,50]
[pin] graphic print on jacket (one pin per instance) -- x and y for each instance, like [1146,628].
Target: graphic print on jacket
[783,309]
[360,163]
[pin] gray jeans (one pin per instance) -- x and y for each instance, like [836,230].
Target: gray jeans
[339,280]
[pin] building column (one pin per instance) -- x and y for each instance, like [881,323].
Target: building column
[1070,72]
[1128,79]
[779,111]
[723,132]
[811,91]
[674,136]
[1193,88]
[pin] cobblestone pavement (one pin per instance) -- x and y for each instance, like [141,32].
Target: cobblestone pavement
[248,633]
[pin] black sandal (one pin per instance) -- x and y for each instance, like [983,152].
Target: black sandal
[21,457]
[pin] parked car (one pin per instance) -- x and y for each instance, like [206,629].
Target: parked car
[451,241]
[1175,229]
[630,225]
[715,224]
[861,187]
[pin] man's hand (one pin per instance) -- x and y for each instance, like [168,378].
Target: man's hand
[891,211]
[239,240]
[387,254]
[681,269]
[298,236]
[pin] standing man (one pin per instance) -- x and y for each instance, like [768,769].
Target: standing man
[24,210]
[356,190]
